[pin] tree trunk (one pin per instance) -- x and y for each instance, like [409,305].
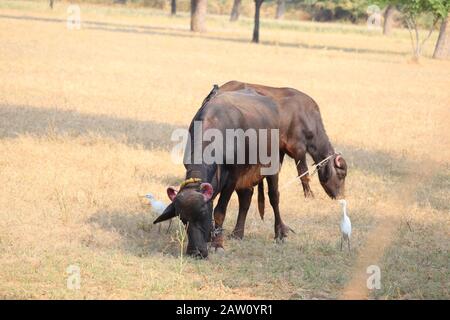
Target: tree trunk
[442,50]
[281,9]
[51,4]
[388,20]
[198,15]
[236,10]
[258,4]
[416,43]
[173,7]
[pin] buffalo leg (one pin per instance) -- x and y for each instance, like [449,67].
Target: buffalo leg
[245,199]
[281,230]
[219,215]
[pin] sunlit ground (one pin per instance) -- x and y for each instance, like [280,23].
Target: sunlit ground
[85,124]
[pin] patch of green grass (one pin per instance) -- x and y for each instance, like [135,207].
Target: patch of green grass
[416,266]
[436,193]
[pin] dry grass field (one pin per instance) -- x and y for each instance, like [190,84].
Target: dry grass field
[85,123]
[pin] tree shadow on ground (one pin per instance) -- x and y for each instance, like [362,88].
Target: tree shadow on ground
[430,188]
[19,119]
[139,236]
[380,163]
[16,120]
[185,33]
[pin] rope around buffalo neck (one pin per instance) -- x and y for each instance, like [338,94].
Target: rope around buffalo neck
[316,167]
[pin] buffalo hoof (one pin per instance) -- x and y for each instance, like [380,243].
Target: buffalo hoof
[216,250]
[281,233]
[237,234]
[220,251]
[197,254]
[217,245]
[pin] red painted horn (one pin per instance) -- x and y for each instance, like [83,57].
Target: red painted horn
[336,161]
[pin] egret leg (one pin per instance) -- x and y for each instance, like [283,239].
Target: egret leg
[348,243]
[341,243]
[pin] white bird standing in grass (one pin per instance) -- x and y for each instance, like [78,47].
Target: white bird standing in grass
[346,224]
[158,207]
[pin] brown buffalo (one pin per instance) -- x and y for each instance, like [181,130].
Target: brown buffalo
[237,105]
[302,132]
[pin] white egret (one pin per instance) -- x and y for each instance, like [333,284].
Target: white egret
[346,224]
[158,207]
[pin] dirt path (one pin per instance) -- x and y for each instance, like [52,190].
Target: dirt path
[377,241]
[381,237]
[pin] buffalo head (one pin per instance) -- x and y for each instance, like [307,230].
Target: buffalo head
[192,203]
[332,176]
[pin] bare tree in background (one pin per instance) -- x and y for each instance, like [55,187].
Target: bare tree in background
[442,49]
[416,42]
[281,9]
[198,15]
[173,7]
[235,10]
[412,10]
[258,4]
[389,14]
[51,4]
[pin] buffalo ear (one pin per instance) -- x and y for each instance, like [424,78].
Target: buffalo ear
[207,191]
[172,193]
[169,213]
[339,162]
[336,161]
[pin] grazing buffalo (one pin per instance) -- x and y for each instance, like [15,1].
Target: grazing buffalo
[238,106]
[301,132]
